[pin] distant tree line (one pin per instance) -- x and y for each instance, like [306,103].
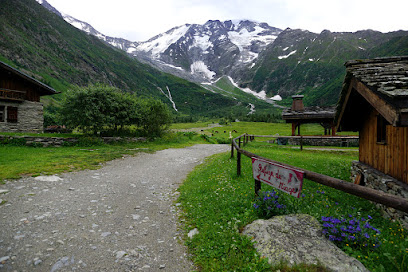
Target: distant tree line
[102,109]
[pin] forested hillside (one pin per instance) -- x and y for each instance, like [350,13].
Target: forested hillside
[43,45]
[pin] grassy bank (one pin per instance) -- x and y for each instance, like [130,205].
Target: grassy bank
[219,204]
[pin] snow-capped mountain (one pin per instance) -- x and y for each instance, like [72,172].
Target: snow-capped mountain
[211,50]
[116,42]
[200,53]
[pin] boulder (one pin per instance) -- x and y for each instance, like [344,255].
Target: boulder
[298,239]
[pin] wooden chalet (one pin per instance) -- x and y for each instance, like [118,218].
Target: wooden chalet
[20,107]
[298,114]
[374,101]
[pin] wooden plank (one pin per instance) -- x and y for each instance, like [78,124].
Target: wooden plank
[400,138]
[406,155]
[375,146]
[400,148]
[381,163]
[390,150]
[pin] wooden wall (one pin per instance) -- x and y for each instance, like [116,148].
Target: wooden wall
[13,82]
[390,158]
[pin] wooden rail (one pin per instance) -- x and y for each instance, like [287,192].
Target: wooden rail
[386,199]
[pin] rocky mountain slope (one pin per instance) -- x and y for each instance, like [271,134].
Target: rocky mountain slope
[302,62]
[261,59]
[211,50]
[49,49]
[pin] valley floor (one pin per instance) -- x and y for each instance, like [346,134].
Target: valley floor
[117,218]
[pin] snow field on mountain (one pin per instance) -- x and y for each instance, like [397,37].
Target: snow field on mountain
[162,42]
[199,67]
[244,38]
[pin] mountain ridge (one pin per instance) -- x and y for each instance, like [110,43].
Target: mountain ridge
[51,50]
[253,55]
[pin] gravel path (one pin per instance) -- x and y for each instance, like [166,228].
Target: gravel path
[117,218]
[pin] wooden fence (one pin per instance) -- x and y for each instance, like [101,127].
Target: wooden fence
[386,199]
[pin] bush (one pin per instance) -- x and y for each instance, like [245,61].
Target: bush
[89,141]
[105,110]
[14,141]
[155,117]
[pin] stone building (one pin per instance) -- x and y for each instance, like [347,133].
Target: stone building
[374,101]
[20,107]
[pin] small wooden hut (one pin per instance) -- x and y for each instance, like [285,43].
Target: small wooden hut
[298,114]
[20,107]
[374,101]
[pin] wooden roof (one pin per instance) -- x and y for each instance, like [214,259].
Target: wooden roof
[380,83]
[42,88]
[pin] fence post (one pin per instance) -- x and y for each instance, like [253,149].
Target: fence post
[238,163]
[232,148]
[239,142]
[257,187]
[301,143]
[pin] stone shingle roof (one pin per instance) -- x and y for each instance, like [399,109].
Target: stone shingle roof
[386,79]
[387,76]
[309,113]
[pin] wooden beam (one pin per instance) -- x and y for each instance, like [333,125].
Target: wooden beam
[343,107]
[388,112]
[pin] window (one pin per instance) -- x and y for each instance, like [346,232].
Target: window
[12,114]
[381,130]
[2,109]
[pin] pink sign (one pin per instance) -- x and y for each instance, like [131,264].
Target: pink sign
[281,177]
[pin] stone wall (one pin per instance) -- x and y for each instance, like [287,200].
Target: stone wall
[59,141]
[377,180]
[347,141]
[30,117]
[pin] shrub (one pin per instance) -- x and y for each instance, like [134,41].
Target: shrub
[14,141]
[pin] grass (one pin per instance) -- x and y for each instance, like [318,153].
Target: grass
[219,204]
[19,161]
[198,124]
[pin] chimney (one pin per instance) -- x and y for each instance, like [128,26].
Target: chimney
[297,104]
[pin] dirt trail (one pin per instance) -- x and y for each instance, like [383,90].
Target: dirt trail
[117,218]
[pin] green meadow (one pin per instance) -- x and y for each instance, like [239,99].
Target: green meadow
[219,203]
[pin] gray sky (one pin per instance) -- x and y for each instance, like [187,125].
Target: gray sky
[139,20]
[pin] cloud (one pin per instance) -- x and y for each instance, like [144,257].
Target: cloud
[141,20]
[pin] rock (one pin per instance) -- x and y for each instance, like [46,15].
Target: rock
[4,259]
[48,178]
[4,191]
[105,234]
[192,233]
[120,254]
[162,266]
[64,261]
[37,261]
[298,239]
